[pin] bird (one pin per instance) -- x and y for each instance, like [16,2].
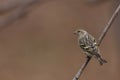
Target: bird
[89,45]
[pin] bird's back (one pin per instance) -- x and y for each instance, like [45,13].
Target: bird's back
[88,44]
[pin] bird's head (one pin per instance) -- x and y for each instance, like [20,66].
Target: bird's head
[80,32]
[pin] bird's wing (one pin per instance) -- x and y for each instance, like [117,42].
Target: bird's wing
[91,40]
[88,43]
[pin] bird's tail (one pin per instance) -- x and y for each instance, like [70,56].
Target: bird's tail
[102,61]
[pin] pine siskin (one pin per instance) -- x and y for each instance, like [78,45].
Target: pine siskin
[88,43]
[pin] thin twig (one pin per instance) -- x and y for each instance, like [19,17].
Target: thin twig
[107,27]
[82,68]
[11,4]
[115,14]
[19,13]
[15,10]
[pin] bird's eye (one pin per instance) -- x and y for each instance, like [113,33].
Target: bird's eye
[78,31]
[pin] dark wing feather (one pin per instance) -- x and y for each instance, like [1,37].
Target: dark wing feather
[87,43]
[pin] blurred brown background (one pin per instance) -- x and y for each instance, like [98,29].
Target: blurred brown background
[37,41]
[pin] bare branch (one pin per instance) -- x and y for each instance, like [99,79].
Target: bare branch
[8,5]
[82,68]
[18,9]
[107,27]
[115,14]
[12,17]
[11,4]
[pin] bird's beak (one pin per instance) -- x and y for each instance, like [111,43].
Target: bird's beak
[75,33]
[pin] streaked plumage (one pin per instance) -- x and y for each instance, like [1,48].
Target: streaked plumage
[88,43]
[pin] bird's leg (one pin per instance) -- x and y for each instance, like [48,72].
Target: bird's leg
[87,54]
[88,57]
